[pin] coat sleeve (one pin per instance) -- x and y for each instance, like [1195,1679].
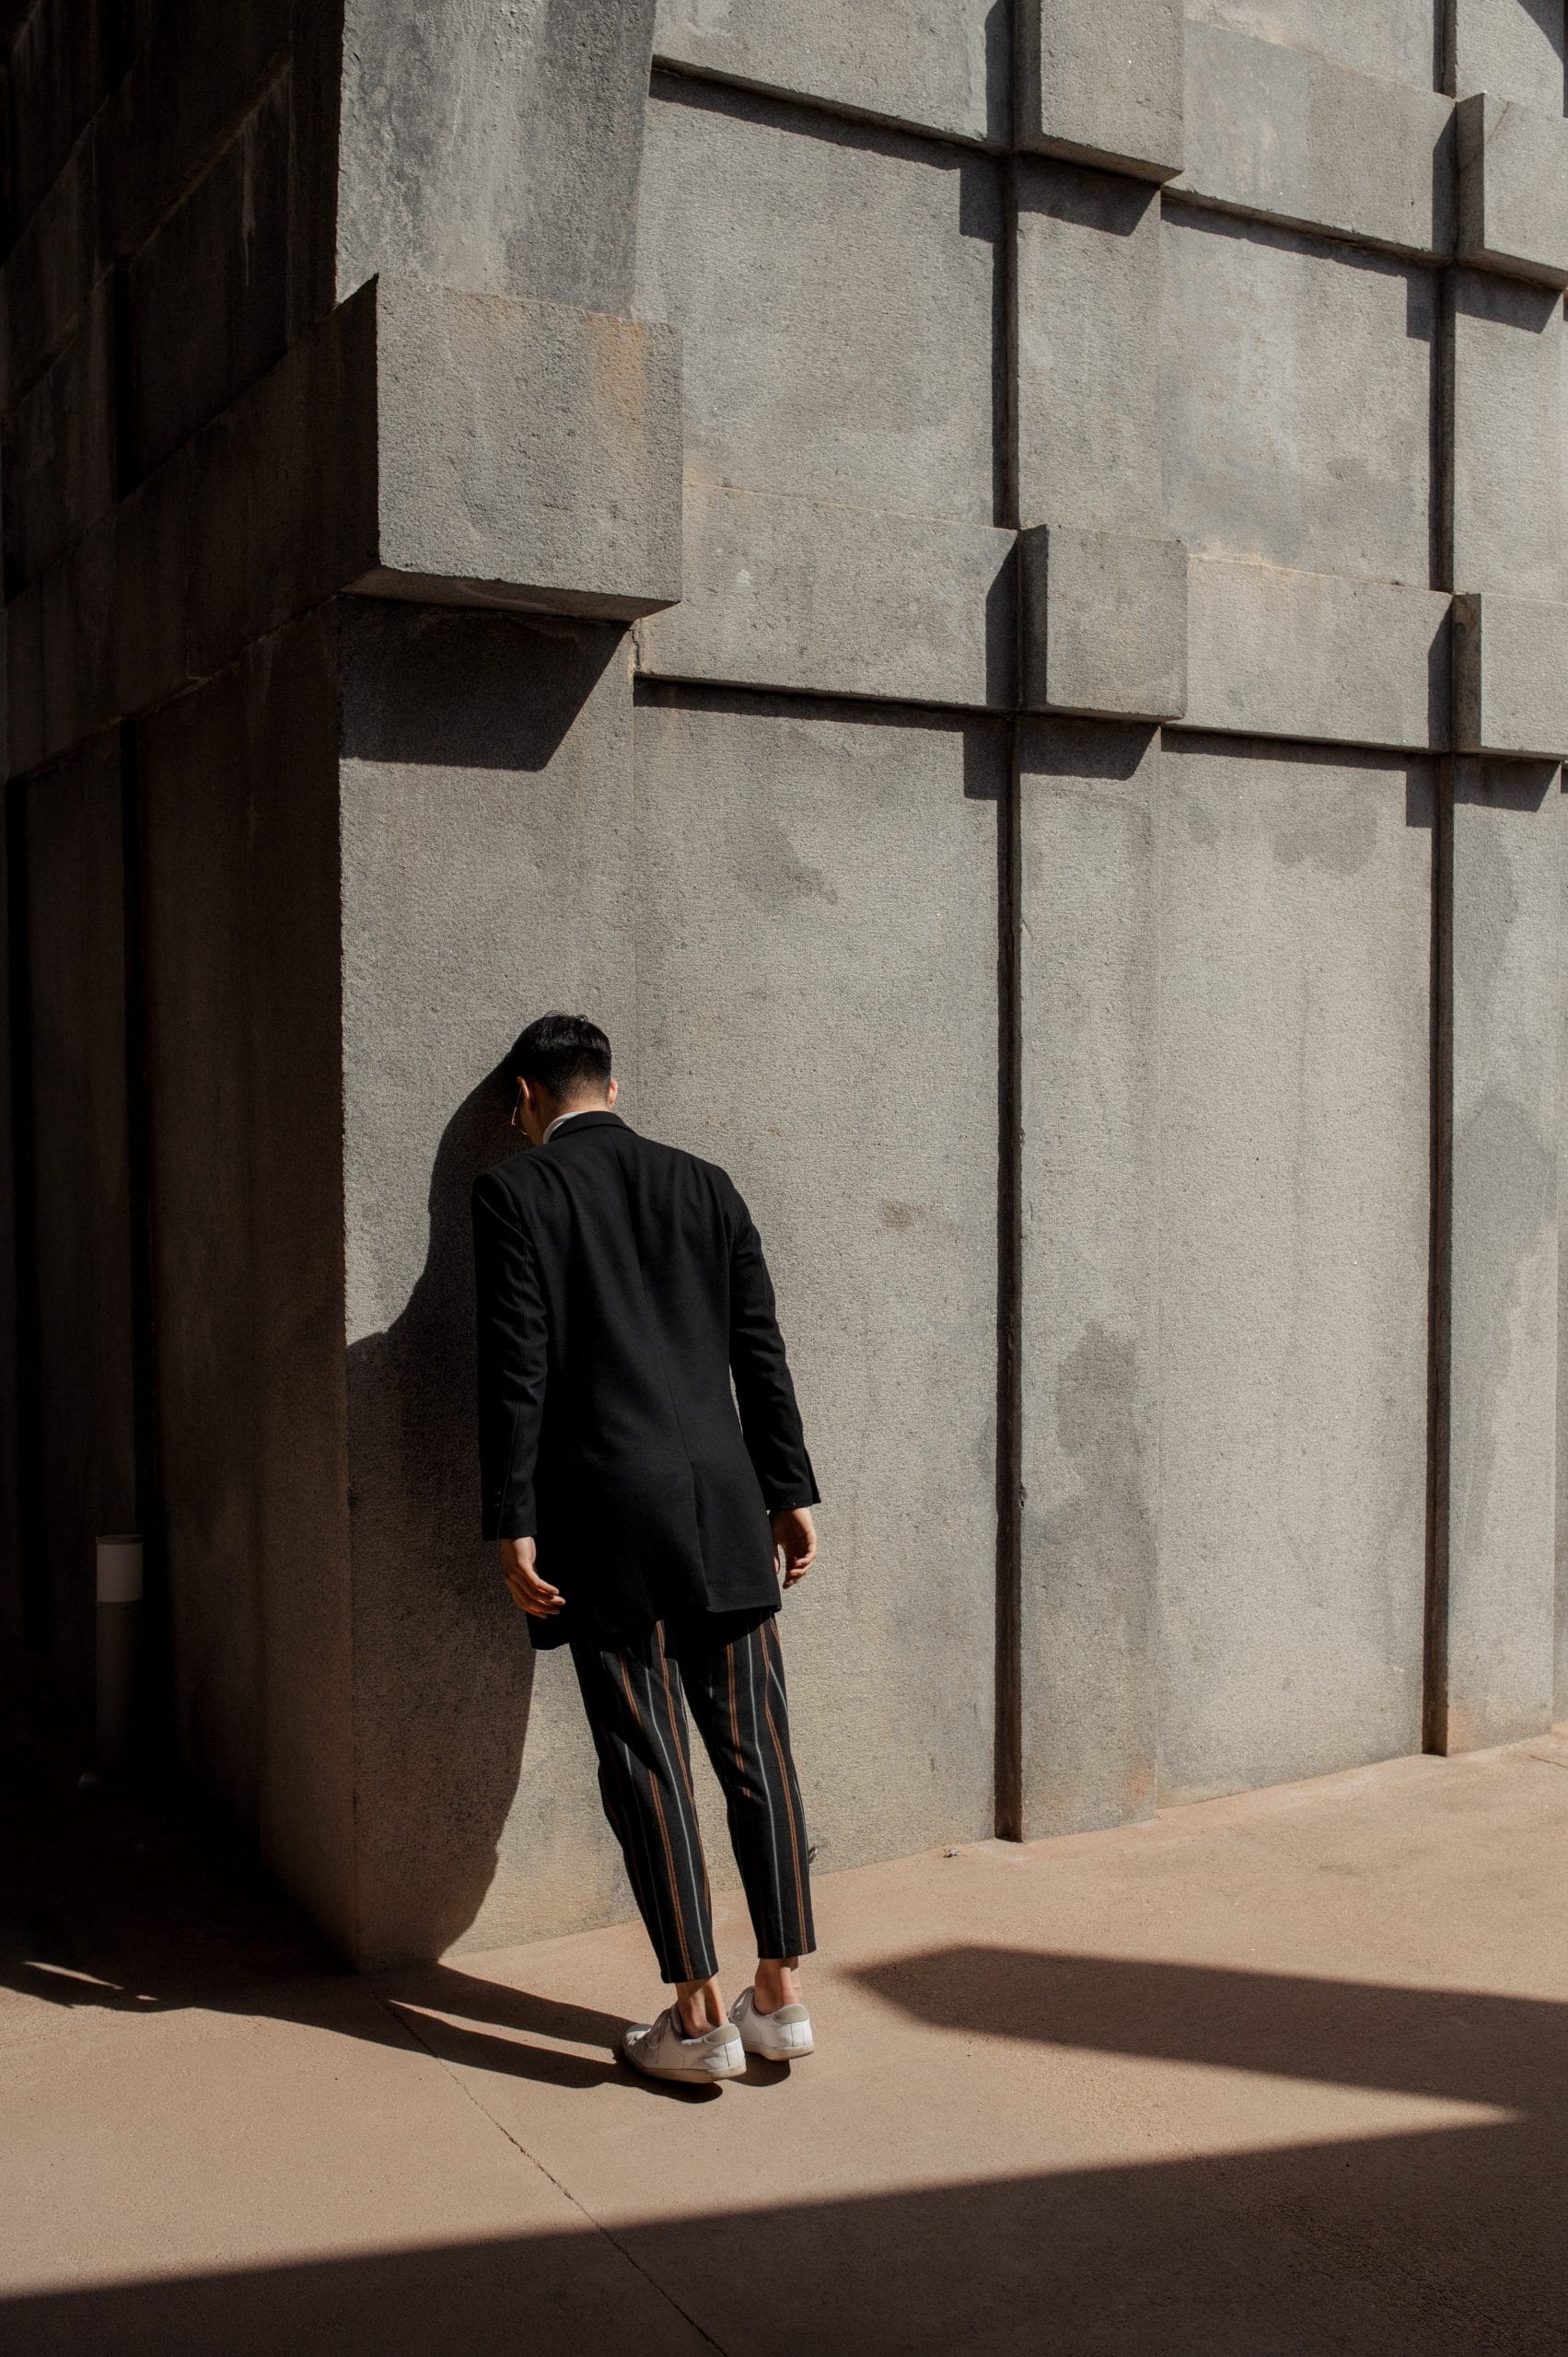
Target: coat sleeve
[512,1360]
[770,1419]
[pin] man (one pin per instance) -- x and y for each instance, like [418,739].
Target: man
[642,1509]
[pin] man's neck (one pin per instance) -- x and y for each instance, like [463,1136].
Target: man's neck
[566,1112]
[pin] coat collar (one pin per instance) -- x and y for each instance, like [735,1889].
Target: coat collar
[586,1121]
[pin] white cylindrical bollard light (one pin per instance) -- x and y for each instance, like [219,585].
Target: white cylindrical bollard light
[119,1650]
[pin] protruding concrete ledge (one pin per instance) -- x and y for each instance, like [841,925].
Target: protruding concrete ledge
[529,454]
[1105,623]
[1279,133]
[456,449]
[1512,188]
[1510,677]
[797,593]
[1102,84]
[1271,652]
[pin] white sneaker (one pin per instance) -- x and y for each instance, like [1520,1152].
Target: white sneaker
[782,2036]
[664,2051]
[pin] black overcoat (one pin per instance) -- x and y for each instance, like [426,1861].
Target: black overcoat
[621,1286]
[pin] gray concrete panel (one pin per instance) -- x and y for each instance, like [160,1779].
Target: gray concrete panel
[1395,38]
[1497,1530]
[835,292]
[1104,623]
[527,453]
[1297,382]
[1513,49]
[940,64]
[817,957]
[1278,132]
[1102,84]
[1294,1041]
[497,150]
[1087,394]
[1513,188]
[486,822]
[1281,654]
[1089,1336]
[76,1014]
[793,593]
[1508,526]
[1510,676]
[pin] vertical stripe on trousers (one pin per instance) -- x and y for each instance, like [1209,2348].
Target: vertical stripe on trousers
[729,1670]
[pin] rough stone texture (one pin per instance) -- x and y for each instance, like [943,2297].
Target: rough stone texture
[1279,132]
[1295,1015]
[486,824]
[1306,444]
[1302,654]
[1506,362]
[1510,676]
[790,593]
[940,64]
[1102,84]
[1088,1333]
[1497,1510]
[854,367]
[1088,287]
[1513,49]
[496,151]
[1396,40]
[816,958]
[1513,188]
[527,454]
[1104,624]
[240,888]
[73,1014]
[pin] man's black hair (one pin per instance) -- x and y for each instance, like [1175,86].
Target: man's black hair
[562,1054]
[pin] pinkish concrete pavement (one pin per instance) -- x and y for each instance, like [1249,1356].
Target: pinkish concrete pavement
[1285,2074]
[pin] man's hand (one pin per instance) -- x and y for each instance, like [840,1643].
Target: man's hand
[536,1597]
[794,1538]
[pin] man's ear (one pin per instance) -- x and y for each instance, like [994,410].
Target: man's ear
[613,1091]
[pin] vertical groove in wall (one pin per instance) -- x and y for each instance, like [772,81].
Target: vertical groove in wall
[1435,1662]
[33,1580]
[1009,1760]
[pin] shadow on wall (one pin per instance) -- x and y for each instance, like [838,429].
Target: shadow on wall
[443,1672]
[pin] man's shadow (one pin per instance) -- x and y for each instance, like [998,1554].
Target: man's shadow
[443,1671]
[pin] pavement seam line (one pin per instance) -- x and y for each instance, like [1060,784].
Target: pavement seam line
[416,2037]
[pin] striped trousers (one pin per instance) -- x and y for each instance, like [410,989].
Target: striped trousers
[729,1668]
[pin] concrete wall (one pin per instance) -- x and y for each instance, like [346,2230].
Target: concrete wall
[1074,822]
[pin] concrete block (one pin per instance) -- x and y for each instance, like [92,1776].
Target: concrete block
[79,611]
[1087,394]
[1278,132]
[1089,1329]
[497,152]
[1506,363]
[1105,623]
[486,819]
[1511,676]
[1513,188]
[1512,49]
[794,593]
[222,256]
[822,364]
[528,454]
[81,1245]
[1304,441]
[1497,1500]
[803,874]
[57,260]
[943,67]
[1276,653]
[1102,84]
[24,680]
[60,446]
[1294,1043]
[1395,40]
[152,570]
[59,69]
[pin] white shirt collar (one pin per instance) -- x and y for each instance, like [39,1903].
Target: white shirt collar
[575,1114]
